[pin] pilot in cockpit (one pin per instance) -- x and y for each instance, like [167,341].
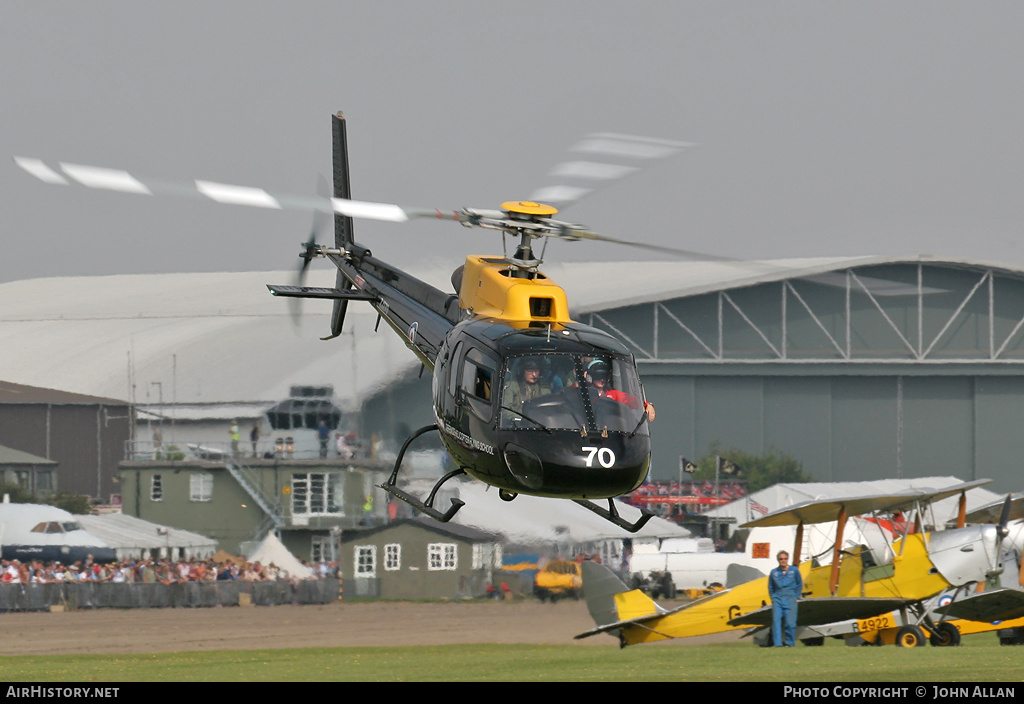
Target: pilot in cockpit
[527,384]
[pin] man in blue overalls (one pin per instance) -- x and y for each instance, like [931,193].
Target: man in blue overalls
[784,587]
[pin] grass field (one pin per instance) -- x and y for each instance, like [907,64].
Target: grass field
[980,659]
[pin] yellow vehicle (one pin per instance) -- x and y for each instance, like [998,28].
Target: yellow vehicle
[561,578]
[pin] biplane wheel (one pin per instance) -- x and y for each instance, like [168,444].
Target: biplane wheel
[910,637]
[946,635]
[813,642]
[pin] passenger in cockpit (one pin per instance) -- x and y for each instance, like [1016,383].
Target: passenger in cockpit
[598,376]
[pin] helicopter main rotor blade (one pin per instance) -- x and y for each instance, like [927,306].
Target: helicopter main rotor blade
[572,233]
[230,194]
[606,157]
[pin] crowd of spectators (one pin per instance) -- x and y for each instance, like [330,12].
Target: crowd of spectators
[152,571]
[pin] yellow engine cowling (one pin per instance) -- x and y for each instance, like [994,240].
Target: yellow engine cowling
[490,290]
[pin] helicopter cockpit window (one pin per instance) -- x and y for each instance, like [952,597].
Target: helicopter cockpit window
[568,391]
[476,380]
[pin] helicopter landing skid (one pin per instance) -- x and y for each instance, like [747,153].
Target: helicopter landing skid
[427,507]
[610,514]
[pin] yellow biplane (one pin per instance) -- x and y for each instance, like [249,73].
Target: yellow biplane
[856,590]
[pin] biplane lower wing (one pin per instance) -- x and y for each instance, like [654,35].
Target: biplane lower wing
[647,618]
[996,605]
[824,610]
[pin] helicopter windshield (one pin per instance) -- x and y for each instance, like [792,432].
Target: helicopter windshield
[571,392]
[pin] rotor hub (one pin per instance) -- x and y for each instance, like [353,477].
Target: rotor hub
[527,210]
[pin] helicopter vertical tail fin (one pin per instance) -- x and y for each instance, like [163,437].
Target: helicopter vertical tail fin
[343,228]
[611,601]
[343,234]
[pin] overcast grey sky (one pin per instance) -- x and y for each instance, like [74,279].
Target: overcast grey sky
[841,128]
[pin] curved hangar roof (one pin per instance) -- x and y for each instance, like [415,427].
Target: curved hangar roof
[221,337]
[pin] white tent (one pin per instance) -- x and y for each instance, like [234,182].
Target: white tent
[272,551]
[133,537]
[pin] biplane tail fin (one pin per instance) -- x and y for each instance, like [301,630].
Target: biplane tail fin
[609,600]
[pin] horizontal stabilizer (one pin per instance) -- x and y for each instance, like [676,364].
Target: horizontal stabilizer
[635,604]
[817,612]
[996,605]
[318,292]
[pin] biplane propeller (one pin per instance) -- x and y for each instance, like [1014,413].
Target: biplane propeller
[524,398]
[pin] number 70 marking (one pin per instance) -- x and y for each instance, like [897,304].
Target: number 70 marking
[605,456]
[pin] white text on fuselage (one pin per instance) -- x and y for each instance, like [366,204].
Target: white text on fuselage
[462,438]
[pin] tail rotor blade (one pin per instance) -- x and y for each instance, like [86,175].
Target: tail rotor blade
[321,225]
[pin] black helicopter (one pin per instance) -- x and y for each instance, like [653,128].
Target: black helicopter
[524,398]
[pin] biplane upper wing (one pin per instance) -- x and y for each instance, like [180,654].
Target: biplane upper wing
[826,510]
[995,605]
[991,513]
[819,611]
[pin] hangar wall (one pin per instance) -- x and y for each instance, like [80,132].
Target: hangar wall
[896,369]
[847,428]
[85,435]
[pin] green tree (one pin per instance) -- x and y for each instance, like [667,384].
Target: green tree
[78,504]
[17,494]
[759,471]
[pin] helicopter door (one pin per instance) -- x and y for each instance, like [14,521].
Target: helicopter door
[453,369]
[445,385]
[477,384]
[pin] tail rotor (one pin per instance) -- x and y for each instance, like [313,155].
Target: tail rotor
[310,249]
